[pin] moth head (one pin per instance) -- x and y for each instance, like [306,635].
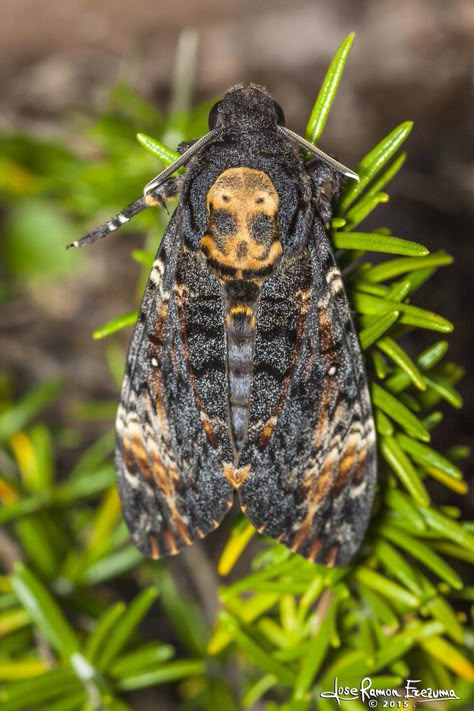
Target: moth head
[246,108]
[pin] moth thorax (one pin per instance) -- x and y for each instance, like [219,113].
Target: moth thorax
[242,236]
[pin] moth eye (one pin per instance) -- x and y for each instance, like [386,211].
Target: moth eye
[259,200]
[213,116]
[279,113]
[225,198]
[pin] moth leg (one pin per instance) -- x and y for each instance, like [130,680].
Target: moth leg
[166,191]
[328,183]
[157,197]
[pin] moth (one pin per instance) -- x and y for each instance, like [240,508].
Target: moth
[244,372]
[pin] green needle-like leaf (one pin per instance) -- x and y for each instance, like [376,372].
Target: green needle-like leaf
[186,616]
[17,416]
[257,690]
[375,289]
[327,93]
[397,566]
[25,506]
[13,619]
[239,539]
[364,207]
[314,656]
[398,291]
[447,528]
[84,485]
[374,161]
[397,354]
[173,671]
[149,656]
[385,176]
[144,258]
[383,424]
[451,657]
[381,608]
[24,669]
[428,457]
[398,412]
[35,542]
[44,611]
[163,153]
[445,391]
[395,267]
[405,507]
[374,242]
[424,554]
[257,653]
[410,315]
[76,701]
[102,631]
[386,587]
[125,626]
[42,689]
[116,324]
[112,565]
[425,361]
[403,468]
[272,632]
[433,420]
[440,608]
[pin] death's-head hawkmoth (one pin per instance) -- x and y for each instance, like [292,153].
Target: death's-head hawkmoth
[244,371]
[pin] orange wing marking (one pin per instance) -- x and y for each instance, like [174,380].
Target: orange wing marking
[236,477]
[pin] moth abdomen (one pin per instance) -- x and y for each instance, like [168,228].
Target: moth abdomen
[240,331]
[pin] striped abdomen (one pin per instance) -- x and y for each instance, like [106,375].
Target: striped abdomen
[240,330]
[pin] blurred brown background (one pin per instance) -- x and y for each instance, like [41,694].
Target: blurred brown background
[410,60]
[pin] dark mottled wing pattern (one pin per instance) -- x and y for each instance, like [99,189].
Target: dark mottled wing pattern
[170,447]
[311,441]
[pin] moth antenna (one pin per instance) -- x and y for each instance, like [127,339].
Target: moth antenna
[182,160]
[113,224]
[156,197]
[151,196]
[318,152]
